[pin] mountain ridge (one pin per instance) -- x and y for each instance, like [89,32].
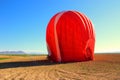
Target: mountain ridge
[12,52]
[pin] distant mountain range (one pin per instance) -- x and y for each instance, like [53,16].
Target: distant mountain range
[12,52]
[20,53]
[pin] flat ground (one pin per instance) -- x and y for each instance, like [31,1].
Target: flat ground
[104,67]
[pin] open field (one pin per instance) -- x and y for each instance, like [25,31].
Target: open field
[104,67]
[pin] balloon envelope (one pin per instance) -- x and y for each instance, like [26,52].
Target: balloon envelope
[70,37]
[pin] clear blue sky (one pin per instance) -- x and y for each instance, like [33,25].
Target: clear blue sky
[23,22]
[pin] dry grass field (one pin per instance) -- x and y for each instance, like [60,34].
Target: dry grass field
[104,67]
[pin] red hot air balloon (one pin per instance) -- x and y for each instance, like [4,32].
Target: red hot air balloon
[70,37]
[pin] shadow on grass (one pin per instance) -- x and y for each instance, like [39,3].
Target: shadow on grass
[25,64]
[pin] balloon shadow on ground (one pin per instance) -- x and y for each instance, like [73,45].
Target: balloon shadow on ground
[25,64]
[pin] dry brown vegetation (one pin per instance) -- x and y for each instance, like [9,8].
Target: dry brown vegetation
[104,67]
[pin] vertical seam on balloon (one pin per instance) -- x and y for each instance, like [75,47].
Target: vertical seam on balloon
[79,15]
[89,27]
[87,22]
[56,37]
[92,27]
[89,33]
[93,36]
[91,30]
[80,19]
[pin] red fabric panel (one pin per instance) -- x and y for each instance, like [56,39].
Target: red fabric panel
[50,39]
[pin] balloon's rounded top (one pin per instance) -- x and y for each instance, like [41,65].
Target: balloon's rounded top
[70,36]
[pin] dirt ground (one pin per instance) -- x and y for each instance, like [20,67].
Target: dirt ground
[104,67]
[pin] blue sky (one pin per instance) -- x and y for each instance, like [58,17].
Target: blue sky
[23,22]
